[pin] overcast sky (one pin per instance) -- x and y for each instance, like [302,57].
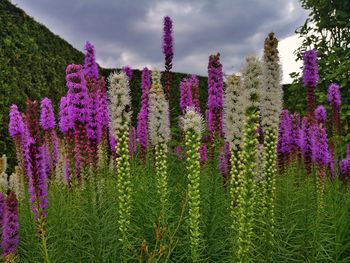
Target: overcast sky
[129,32]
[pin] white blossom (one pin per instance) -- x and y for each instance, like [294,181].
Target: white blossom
[158,120]
[120,102]
[234,115]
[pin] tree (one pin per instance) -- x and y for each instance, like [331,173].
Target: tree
[327,29]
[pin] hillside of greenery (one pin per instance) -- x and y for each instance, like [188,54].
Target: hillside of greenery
[33,62]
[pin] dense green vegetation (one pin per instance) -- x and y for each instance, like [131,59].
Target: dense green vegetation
[33,62]
[82,223]
[327,29]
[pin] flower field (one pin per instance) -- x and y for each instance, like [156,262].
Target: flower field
[245,180]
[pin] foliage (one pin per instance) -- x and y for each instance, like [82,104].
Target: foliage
[327,29]
[82,224]
[33,62]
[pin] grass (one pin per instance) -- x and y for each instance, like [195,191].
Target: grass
[82,223]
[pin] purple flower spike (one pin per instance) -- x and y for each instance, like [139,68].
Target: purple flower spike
[203,153]
[47,116]
[78,96]
[186,99]
[168,51]
[284,133]
[2,210]
[142,117]
[168,42]
[334,100]
[320,151]
[296,133]
[284,142]
[10,232]
[16,125]
[310,68]
[128,71]
[65,122]
[90,66]
[310,78]
[179,152]
[307,140]
[321,115]
[215,95]
[333,95]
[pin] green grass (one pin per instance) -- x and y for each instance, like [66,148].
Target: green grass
[82,223]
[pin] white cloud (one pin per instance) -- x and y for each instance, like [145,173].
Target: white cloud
[286,48]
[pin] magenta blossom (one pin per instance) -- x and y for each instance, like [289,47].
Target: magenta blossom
[128,71]
[47,116]
[203,153]
[65,122]
[310,70]
[142,117]
[77,94]
[333,95]
[90,66]
[215,95]
[16,125]
[10,231]
[310,78]
[321,115]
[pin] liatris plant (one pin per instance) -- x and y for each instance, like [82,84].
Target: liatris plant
[225,163]
[310,77]
[16,130]
[10,231]
[4,185]
[320,115]
[179,152]
[128,71]
[159,134]
[271,107]
[90,66]
[35,162]
[296,137]
[320,156]
[2,212]
[78,99]
[67,128]
[203,154]
[103,118]
[215,97]
[185,95]
[246,203]
[132,142]
[47,122]
[234,118]
[168,51]
[142,117]
[334,100]
[192,125]
[93,124]
[306,143]
[284,141]
[119,108]
[344,166]
[195,92]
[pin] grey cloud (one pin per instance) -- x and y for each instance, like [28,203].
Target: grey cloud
[129,32]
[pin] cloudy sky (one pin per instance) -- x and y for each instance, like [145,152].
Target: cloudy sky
[129,32]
